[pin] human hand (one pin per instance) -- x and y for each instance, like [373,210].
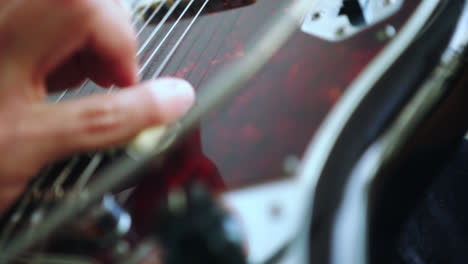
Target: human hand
[51,44]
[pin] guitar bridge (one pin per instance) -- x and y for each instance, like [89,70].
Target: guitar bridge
[339,20]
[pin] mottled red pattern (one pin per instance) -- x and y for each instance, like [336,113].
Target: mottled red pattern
[195,166]
[247,140]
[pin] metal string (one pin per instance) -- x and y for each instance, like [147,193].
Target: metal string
[231,79]
[134,8]
[140,14]
[88,172]
[165,38]
[19,212]
[63,176]
[98,157]
[153,14]
[34,189]
[146,23]
[86,82]
[172,51]
[158,27]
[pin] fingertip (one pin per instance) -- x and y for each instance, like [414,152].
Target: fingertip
[173,97]
[119,73]
[125,67]
[130,75]
[114,43]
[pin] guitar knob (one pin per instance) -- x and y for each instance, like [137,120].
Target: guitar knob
[194,229]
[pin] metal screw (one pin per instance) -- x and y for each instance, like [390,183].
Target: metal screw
[387,2]
[316,16]
[341,31]
[387,33]
[276,211]
[290,164]
[36,217]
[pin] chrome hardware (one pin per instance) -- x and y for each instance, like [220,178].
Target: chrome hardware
[386,33]
[106,221]
[336,20]
[290,164]
[111,217]
[194,228]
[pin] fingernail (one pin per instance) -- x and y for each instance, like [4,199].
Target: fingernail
[174,97]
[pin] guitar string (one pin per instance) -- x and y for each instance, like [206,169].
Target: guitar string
[158,27]
[88,81]
[176,45]
[143,27]
[32,192]
[34,189]
[148,60]
[65,174]
[155,12]
[98,158]
[64,93]
[134,22]
[21,207]
[141,13]
[67,171]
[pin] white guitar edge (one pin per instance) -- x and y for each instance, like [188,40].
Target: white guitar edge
[265,233]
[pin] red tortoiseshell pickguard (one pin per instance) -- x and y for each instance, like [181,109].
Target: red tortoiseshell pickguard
[247,140]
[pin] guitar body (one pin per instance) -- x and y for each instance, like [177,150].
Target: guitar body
[250,140]
[247,151]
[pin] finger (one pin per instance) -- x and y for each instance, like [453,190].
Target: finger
[112,47]
[65,27]
[107,120]
[68,75]
[87,63]
[109,57]
[81,66]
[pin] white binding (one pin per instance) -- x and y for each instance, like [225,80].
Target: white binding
[297,191]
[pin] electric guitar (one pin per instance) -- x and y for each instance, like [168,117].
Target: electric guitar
[308,115]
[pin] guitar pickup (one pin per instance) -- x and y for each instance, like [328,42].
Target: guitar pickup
[336,20]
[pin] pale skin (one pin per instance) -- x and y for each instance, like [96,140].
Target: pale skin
[55,44]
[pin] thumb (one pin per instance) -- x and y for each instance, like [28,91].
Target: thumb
[51,131]
[105,120]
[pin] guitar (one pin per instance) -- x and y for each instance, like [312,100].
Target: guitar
[305,111]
